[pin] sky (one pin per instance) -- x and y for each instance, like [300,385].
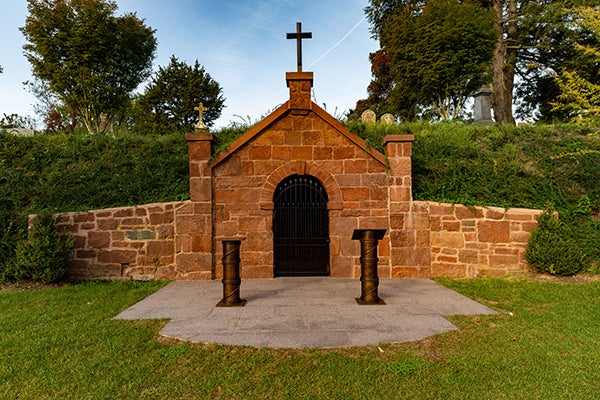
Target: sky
[240,43]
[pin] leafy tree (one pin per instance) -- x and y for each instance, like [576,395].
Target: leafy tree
[535,40]
[579,85]
[169,100]
[87,56]
[433,57]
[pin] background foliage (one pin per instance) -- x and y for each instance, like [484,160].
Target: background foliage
[507,166]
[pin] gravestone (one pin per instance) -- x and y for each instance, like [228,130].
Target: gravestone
[388,119]
[482,109]
[368,116]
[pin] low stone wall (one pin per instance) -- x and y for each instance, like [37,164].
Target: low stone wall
[477,241]
[124,243]
[174,241]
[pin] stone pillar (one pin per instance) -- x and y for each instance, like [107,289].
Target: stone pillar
[300,84]
[194,221]
[409,220]
[369,280]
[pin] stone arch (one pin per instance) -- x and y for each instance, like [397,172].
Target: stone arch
[301,168]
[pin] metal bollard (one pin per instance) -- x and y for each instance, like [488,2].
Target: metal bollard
[231,275]
[369,279]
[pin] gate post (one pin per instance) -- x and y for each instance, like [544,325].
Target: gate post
[369,279]
[231,274]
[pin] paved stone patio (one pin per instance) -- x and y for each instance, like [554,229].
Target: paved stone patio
[304,312]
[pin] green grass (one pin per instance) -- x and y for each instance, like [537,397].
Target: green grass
[61,343]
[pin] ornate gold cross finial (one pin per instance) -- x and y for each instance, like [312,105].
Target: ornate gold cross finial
[299,35]
[200,124]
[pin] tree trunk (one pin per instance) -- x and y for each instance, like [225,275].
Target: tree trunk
[504,59]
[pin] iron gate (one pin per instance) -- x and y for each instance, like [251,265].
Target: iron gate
[301,227]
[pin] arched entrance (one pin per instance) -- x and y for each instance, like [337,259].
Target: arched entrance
[301,227]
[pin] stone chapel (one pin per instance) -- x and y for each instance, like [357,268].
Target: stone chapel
[293,188]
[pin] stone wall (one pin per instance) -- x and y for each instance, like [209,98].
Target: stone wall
[135,242]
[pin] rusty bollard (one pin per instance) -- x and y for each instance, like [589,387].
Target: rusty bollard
[231,275]
[369,280]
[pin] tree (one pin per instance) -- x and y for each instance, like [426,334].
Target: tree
[579,96]
[535,41]
[439,53]
[88,57]
[169,100]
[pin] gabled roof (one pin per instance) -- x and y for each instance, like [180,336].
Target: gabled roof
[282,112]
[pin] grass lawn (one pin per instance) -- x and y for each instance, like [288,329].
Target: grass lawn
[543,344]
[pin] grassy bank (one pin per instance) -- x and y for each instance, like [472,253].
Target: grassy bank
[543,343]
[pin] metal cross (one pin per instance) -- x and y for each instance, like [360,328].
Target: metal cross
[299,35]
[200,109]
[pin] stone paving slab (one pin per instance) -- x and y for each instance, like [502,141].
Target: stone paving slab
[304,312]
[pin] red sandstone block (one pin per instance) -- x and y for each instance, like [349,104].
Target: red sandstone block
[79,241]
[266,167]
[445,259]
[117,256]
[440,209]
[494,231]
[503,259]
[520,237]
[357,166]
[282,152]
[84,254]
[193,262]
[99,240]
[323,153]
[403,238]
[312,138]
[463,212]
[302,153]
[355,194]
[132,222]
[494,213]
[84,217]
[200,189]
[165,273]
[451,226]
[417,221]
[442,270]
[400,166]
[256,272]
[162,218]
[453,240]
[379,193]
[259,152]
[202,243]
[400,194]
[165,232]
[292,138]
[343,152]
[155,248]
[123,213]
[468,256]
[521,214]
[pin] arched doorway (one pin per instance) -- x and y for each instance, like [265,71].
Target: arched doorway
[301,227]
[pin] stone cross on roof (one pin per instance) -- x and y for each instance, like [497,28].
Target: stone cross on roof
[299,35]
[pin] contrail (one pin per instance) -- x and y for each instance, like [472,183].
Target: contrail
[339,42]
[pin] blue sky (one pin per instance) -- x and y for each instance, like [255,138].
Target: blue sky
[241,44]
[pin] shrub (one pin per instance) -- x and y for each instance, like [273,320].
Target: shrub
[552,247]
[11,232]
[44,256]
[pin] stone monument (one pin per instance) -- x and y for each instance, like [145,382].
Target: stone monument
[368,116]
[388,119]
[482,109]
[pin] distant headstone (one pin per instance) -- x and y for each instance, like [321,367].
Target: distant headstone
[388,119]
[482,109]
[368,116]
[20,131]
